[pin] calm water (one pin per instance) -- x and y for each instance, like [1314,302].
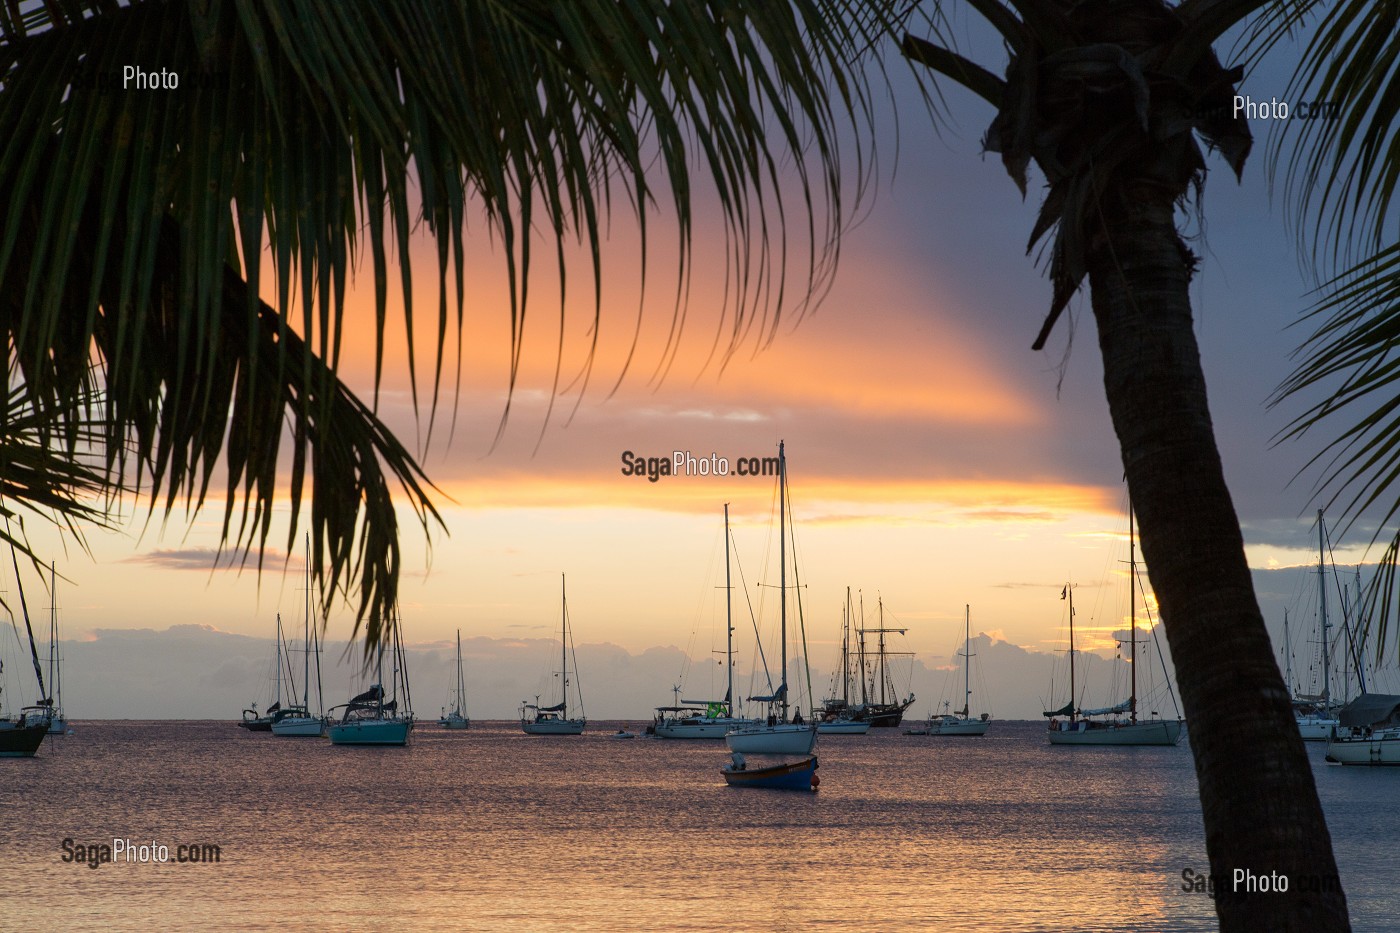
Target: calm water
[493,829]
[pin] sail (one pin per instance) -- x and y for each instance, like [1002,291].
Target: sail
[1124,707]
[1066,710]
[373,695]
[777,697]
[273,708]
[557,708]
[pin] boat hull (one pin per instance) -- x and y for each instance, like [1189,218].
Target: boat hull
[843,727]
[1150,732]
[957,727]
[371,732]
[1317,728]
[780,739]
[716,728]
[1374,751]
[455,722]
[21,741]
[554,727]
[299,727]
[796,775]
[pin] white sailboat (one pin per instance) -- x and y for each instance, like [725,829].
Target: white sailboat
[961,722]
[298,721]
[1316,714]
[706,719]
[554,720]
[457,718]
[777,736]
[1081,726]
[254,721]
[1369,732]
[374,717]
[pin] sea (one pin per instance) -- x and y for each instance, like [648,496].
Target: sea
[491,829]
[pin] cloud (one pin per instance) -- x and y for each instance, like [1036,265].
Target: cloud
[208,559]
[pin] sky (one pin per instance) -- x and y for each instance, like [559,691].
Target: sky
[935,463]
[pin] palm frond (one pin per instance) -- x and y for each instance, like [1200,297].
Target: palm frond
[135,222]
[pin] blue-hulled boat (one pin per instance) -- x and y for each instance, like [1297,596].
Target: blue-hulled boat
[792,775]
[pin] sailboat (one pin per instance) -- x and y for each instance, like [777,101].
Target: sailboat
[457,718]
[1081,727]
[961,722]
[1316,714]
[777,736]
[554,720]
[254,721]
[21,736]
[374,717]
[297,721]
[706,719]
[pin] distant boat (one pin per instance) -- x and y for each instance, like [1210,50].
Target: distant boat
[778,736]
[961,722]
[374,717]
[623,734]
[706,719]
[840,726]
[1081,727]
[1369,733]
[254,721]
[795,775]
[298,721]
[554,720]
[457,719]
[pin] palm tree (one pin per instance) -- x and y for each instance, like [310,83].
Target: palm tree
[153,155]
[1108,98]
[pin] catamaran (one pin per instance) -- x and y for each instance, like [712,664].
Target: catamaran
[779,735]
[554,720]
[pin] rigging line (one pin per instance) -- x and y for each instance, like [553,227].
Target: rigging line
[573,651]
[1161,657]
[763,658]
[24,606]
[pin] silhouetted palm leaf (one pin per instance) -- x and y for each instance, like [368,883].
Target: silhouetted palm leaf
[132,220]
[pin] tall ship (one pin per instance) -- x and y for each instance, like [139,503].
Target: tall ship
[867,691]
[1119,724]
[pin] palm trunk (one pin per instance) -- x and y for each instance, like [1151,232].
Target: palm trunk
[1258,798]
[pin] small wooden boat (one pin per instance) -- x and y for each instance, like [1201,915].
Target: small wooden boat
[792,775]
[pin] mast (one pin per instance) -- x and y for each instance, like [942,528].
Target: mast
[1287,656]
[1132,615]
[846,650]
[864,700]
[728,623]
[1322,613]
[461,687]
[967,661]
[279,660]
[306,638]
[782,564]
[881,658]
[1073,706]
[54,668]
[564,644]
